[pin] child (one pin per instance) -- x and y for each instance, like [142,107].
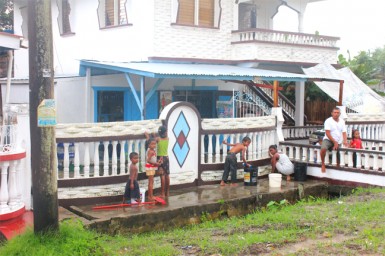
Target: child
[280,162]
[131,192]
[151,166]
[164,170]
[162,152]
[231,160]
[356,142]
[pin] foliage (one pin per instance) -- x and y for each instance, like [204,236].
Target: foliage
[6,15]
[369,66]
[354,223]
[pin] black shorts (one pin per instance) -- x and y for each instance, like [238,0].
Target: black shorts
[165,165]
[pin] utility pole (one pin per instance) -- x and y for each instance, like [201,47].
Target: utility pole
[43,146]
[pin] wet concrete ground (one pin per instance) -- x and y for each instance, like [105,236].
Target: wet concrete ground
[190,205]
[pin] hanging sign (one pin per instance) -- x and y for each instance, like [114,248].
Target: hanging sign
[46,113]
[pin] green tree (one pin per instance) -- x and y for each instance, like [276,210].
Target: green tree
[6,15]
[369,66]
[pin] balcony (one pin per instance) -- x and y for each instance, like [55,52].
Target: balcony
[11,166]
[274,45]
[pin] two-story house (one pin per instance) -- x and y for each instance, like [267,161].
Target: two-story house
[121,60]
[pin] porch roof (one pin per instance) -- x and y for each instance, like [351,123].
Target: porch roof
[9,41]
[187,71]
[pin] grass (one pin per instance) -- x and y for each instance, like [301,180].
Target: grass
[350,225]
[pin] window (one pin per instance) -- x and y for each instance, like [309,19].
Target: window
[112,13]
[110,106]
[204,13]
[64,17]
[247,16]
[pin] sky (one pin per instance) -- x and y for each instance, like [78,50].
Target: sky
[360,24]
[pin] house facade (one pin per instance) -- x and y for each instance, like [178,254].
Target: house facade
[215,32]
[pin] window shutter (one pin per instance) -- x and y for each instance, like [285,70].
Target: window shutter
[206,13]
[186,12]
[109,5]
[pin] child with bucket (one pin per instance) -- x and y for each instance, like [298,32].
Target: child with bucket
[231,160]
[280,162]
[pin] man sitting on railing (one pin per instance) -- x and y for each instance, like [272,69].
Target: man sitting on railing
[335,134]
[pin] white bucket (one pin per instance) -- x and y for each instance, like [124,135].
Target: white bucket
[275,180]
[142,192]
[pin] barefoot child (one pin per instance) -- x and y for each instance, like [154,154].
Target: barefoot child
[356,142]
[151,166]
[231,160]
[280,162]
[131,192]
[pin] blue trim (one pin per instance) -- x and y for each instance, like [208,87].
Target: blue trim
[153,89]
[100,69]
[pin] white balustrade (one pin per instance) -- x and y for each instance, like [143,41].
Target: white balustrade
[276,36]
[11,185]
[369,160]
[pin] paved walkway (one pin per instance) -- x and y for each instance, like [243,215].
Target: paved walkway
[186,206]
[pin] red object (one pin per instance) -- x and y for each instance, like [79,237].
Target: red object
[158,200]
[16,226]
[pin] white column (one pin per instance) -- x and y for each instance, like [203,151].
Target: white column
[299,103]
[105,158]
[114,158]
[210,149]
[76,161]
[12,186]
[96,159]
[86,159]
[66,161]
[4,208]
[122,157]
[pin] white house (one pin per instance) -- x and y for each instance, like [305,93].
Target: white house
[213,32]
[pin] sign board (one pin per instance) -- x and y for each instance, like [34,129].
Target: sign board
[46,113]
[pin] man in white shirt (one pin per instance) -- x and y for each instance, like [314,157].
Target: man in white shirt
[335,134]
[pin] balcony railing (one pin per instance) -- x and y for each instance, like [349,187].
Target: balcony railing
[283,37]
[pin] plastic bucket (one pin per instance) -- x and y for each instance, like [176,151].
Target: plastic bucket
[250,176]
[300,171]
[142,192]
[275,180]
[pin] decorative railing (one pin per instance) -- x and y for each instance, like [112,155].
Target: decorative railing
[368,160]
[100,149]
[8,138]
[299,132]
[261,131]
[82,147]
[249,104]
[286,105]
[283,37]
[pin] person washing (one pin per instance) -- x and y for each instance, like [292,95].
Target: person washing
[231,160]
[280,162]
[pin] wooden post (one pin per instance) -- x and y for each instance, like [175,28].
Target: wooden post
[43,144]
[341,93]
[275,94]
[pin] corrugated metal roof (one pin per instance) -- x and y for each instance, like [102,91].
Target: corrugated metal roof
[190,71]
